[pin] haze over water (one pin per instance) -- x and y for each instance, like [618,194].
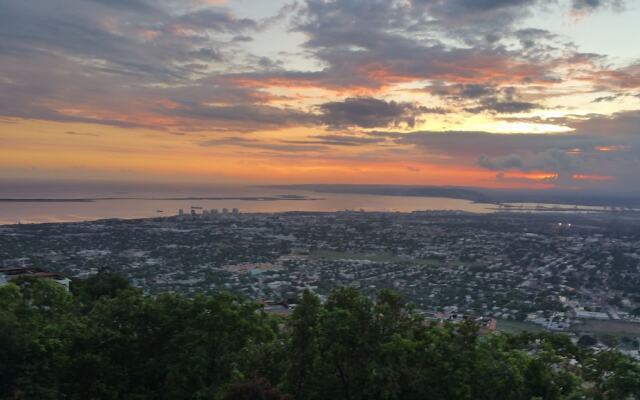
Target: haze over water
[146,201]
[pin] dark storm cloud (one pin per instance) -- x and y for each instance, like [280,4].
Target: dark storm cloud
[368,112]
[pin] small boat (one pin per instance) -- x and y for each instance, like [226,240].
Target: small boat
[159,211]
[196,208]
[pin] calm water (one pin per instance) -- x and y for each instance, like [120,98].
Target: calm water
[147,201]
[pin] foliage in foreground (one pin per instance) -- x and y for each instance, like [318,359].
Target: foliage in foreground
[106,340]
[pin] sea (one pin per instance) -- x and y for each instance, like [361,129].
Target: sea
[70,202]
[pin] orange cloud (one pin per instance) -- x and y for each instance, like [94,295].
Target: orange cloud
[609,149]
[372,77]
[626,78]
[530,176]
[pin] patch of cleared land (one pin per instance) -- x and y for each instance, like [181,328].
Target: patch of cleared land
[510,326]
[610,327]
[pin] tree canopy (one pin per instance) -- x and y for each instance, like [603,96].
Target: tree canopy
[106,340]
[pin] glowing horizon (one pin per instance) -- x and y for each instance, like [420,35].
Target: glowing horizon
[510,94]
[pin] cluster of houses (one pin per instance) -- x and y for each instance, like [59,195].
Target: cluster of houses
[9,274]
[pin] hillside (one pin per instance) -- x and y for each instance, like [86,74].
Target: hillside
[106,340]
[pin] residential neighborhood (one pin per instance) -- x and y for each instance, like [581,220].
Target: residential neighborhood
[565,272]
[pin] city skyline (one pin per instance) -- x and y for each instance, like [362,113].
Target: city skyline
[495,93]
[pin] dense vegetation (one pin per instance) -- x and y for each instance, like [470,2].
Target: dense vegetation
[105,340]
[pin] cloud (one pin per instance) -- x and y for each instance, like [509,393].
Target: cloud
[483,19]
[556,160]
[590,5]
[135,5]
[316,143]
[341,140]
[242,117]
[472,91]
[196,65]
[478,98]
[279,147]
[118,59]
[588,156]
[503,107]
[619,126]
[470,145]
[215,19]
[368,112]
[626,77]
[373,44]
[112,37]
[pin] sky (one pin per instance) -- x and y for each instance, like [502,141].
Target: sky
[485,93]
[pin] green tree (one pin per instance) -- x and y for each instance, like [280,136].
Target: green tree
[36,317]
[115,343]
[303,344]
[614,376]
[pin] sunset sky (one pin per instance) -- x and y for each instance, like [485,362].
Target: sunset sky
[484,93]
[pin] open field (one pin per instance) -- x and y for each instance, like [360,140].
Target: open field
[610,327]
[510,326]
